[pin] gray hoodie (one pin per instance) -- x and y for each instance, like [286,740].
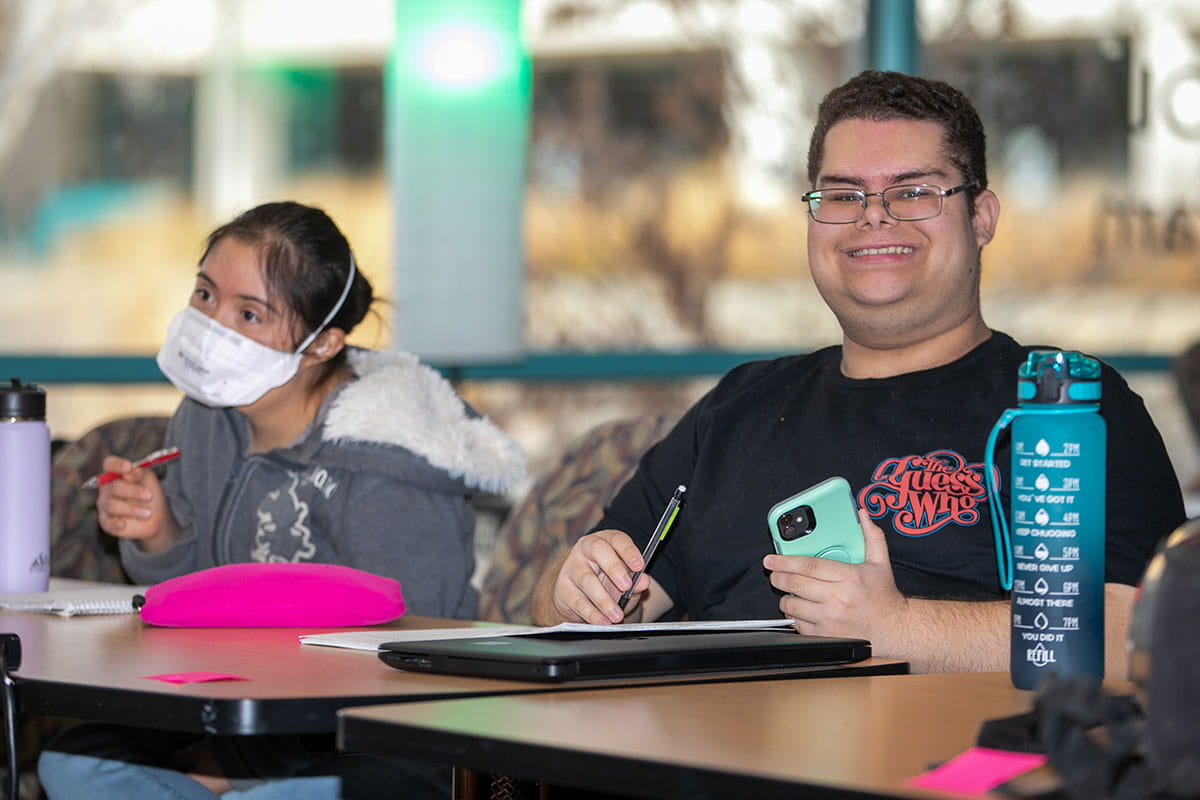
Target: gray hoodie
[379,482]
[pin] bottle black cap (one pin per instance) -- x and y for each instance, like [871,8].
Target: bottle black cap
[22,400]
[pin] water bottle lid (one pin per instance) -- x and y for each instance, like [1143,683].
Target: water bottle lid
[22,400]
[1055,376]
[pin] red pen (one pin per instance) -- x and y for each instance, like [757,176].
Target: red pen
[152,460]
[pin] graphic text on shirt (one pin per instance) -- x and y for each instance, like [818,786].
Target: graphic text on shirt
[926,492]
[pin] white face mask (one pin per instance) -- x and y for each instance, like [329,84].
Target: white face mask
[220,367]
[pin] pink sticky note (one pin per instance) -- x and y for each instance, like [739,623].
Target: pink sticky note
[978,770]
[194,677]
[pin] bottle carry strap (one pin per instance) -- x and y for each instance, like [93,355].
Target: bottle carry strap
[1004,555]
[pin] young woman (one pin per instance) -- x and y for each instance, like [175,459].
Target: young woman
[295,447]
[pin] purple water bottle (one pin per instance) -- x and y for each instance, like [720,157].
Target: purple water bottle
[24,489]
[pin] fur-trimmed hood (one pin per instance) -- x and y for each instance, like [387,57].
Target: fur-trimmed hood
[396,400]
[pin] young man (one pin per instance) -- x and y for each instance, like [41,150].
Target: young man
[899,216]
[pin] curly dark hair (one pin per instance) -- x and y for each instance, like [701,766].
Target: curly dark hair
[877,96]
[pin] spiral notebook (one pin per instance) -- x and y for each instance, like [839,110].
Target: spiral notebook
[69,598]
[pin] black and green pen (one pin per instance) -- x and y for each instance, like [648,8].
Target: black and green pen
[664,526]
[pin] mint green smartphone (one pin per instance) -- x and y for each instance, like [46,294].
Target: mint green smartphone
[821,521]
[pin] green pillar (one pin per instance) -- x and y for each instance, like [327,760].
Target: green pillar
[892,41]
[457,124]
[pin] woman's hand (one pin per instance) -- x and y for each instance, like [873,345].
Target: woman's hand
[135,507]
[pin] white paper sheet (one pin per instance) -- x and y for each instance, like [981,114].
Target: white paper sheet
[371,640]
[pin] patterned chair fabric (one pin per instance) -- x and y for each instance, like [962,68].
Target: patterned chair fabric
[78,548]
[561,506]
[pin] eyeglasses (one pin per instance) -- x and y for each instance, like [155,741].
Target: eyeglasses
[905,203]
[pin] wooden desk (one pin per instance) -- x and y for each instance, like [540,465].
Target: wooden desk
[858,737]
[95,668]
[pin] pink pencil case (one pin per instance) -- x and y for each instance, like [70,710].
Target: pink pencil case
[273,596]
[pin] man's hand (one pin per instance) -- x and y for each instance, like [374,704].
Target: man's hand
[135,507]
[833,598]
[861,600]
[585,585]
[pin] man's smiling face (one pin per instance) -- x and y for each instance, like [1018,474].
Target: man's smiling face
[894,283]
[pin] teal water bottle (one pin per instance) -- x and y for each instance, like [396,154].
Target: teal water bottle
[1053,562]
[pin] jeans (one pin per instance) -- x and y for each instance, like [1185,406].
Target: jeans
[101,761]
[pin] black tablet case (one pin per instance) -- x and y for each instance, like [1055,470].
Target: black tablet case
[587,656]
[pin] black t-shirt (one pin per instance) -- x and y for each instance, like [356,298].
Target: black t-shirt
[772,428]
